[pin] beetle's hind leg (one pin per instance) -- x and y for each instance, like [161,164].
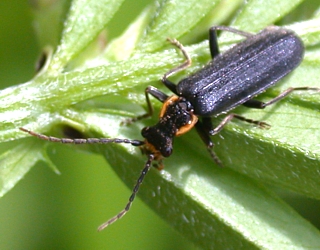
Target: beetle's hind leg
[213,41]
[261,105]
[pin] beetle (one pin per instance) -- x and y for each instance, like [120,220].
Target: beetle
[230,79]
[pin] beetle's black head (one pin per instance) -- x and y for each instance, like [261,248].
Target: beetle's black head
[158,140]
[176,118]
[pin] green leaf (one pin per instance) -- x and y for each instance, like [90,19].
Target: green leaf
[123,47]
[255,16]
[308,31]
[85,21]
[47,17]
[213,206]
[16,161]
[167,21]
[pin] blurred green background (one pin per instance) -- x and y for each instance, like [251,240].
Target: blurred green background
[49,211]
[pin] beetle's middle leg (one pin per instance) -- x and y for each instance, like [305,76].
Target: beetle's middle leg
[203,127]
[205,130]
[231,116]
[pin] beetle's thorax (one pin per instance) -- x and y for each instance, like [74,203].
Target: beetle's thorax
[176,118]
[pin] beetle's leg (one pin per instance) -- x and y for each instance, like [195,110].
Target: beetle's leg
[253,103]
[150,90]
[214,49]
[213,41]
[170,85]
[261,105]
[203,131]
[207,124]
[229,117]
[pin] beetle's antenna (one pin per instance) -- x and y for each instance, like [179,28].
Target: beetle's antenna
[135,190]
[83,141]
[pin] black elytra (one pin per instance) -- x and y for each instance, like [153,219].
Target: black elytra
[227,81]
[242,72]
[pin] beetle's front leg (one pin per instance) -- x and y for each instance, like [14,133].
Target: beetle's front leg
[150,90]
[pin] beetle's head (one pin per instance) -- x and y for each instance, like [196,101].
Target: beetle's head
[157,140]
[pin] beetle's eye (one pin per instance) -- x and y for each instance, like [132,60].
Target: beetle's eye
[183,105]
[145,132]
[166,151]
